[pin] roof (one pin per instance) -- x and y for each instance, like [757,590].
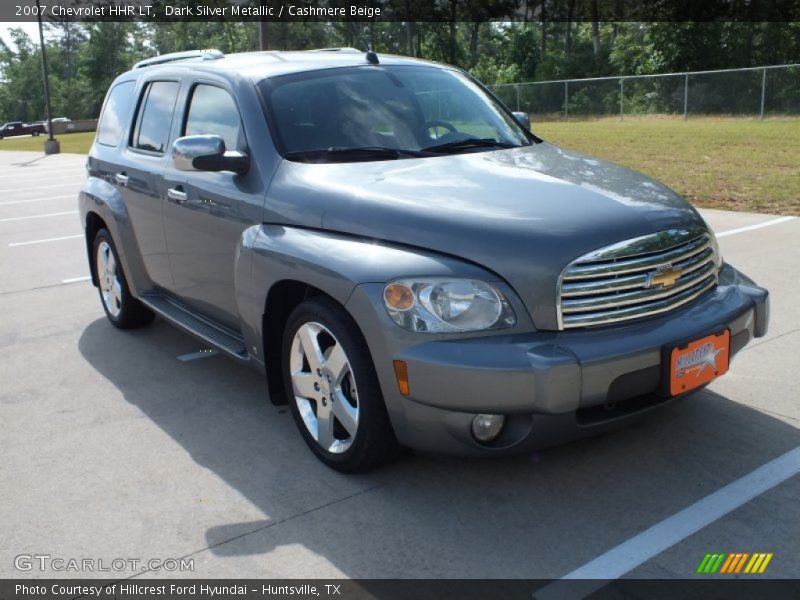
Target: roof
[260,65]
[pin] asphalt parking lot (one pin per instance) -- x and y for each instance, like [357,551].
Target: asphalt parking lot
[113,447]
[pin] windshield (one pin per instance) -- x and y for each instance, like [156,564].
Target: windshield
[413,110]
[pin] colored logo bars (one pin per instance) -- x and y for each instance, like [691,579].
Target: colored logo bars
[735,562]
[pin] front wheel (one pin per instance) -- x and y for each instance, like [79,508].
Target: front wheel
[35,134]
[122,309]
[333,391]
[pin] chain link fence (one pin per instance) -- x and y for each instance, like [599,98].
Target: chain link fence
[756,91]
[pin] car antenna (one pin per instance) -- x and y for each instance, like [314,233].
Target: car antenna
[372,57]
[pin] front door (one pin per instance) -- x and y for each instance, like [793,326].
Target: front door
[206,212]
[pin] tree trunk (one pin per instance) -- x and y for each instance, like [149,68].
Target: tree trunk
[568,34]
[409,29]
[473,44]
[595,29]
[544,28]
[117,27]
[263,35]
[452,50]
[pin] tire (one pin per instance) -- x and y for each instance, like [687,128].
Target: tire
[35,134]
[335,378]
[122,309]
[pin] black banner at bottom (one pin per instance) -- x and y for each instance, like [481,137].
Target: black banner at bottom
[399,589]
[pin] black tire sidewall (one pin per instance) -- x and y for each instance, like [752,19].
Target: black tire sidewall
[374,442]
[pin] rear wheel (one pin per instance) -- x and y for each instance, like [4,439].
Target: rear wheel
[122,309]
[333,390]
[35,134]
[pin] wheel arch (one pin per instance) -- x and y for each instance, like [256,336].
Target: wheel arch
[101,199]
[94,223]
[283,297]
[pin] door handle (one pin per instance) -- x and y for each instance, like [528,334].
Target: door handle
[177,195]
[121,178]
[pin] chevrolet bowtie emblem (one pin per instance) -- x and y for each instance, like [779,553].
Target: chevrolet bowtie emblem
[664,277]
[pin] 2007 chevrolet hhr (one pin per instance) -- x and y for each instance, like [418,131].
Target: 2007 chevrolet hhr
[404,260]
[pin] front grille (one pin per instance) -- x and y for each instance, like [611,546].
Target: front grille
[637,278]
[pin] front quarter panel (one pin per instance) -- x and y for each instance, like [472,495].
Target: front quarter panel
[335,264]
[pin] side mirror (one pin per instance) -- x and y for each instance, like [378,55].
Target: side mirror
[523,119]
[207,153]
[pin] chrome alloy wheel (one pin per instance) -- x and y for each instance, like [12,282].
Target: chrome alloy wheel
[324,387]
[108,279]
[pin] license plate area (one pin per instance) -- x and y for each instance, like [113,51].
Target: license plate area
[698,362]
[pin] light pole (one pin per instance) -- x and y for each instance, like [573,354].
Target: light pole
[51,145]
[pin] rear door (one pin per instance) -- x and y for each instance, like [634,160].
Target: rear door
[139,174]
[206,212]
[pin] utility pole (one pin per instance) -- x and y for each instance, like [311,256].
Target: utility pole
[51,145]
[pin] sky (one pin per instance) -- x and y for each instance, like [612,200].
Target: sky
[31,28]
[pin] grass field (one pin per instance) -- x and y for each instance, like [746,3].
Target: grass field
[75,143]
[735,164]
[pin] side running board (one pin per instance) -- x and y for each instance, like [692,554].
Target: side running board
[215,334]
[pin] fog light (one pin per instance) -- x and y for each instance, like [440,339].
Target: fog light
[485,428]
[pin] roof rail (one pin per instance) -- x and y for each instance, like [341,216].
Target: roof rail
[348,50]
[209,54]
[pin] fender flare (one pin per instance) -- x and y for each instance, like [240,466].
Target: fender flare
[102,198]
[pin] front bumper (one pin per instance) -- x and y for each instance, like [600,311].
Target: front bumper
[553,386]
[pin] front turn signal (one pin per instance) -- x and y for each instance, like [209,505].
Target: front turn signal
[401,372]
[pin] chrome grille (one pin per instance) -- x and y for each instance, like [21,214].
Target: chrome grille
[636,278]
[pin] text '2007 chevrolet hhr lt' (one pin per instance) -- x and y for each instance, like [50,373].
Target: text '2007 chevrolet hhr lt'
[403,259]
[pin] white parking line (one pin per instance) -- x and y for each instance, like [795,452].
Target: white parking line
[630,554]
[196,355]
[76,183]
[76,279]
[23,172]
[777,221]
[55,239]
[38,199]
[58,214]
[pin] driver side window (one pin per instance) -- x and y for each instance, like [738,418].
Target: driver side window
[212,111]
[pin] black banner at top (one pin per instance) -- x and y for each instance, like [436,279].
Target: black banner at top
[402,10]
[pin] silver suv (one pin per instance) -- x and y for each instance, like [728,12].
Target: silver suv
[406,262]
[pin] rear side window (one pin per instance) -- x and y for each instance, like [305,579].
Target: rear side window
[212,111]
[155,116]
[114,119]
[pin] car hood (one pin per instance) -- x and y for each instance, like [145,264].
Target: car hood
[523,213]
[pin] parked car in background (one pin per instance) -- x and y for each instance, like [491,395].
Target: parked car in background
[14,128]
[407,263]
[64,120]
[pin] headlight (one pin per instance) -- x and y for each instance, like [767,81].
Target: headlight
[436,305]
[715,247]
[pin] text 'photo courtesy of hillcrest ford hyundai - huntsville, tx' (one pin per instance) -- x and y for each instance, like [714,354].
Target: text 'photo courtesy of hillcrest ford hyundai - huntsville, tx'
[408,264]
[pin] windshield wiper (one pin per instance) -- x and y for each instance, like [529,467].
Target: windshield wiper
[337,154]
[468,143]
